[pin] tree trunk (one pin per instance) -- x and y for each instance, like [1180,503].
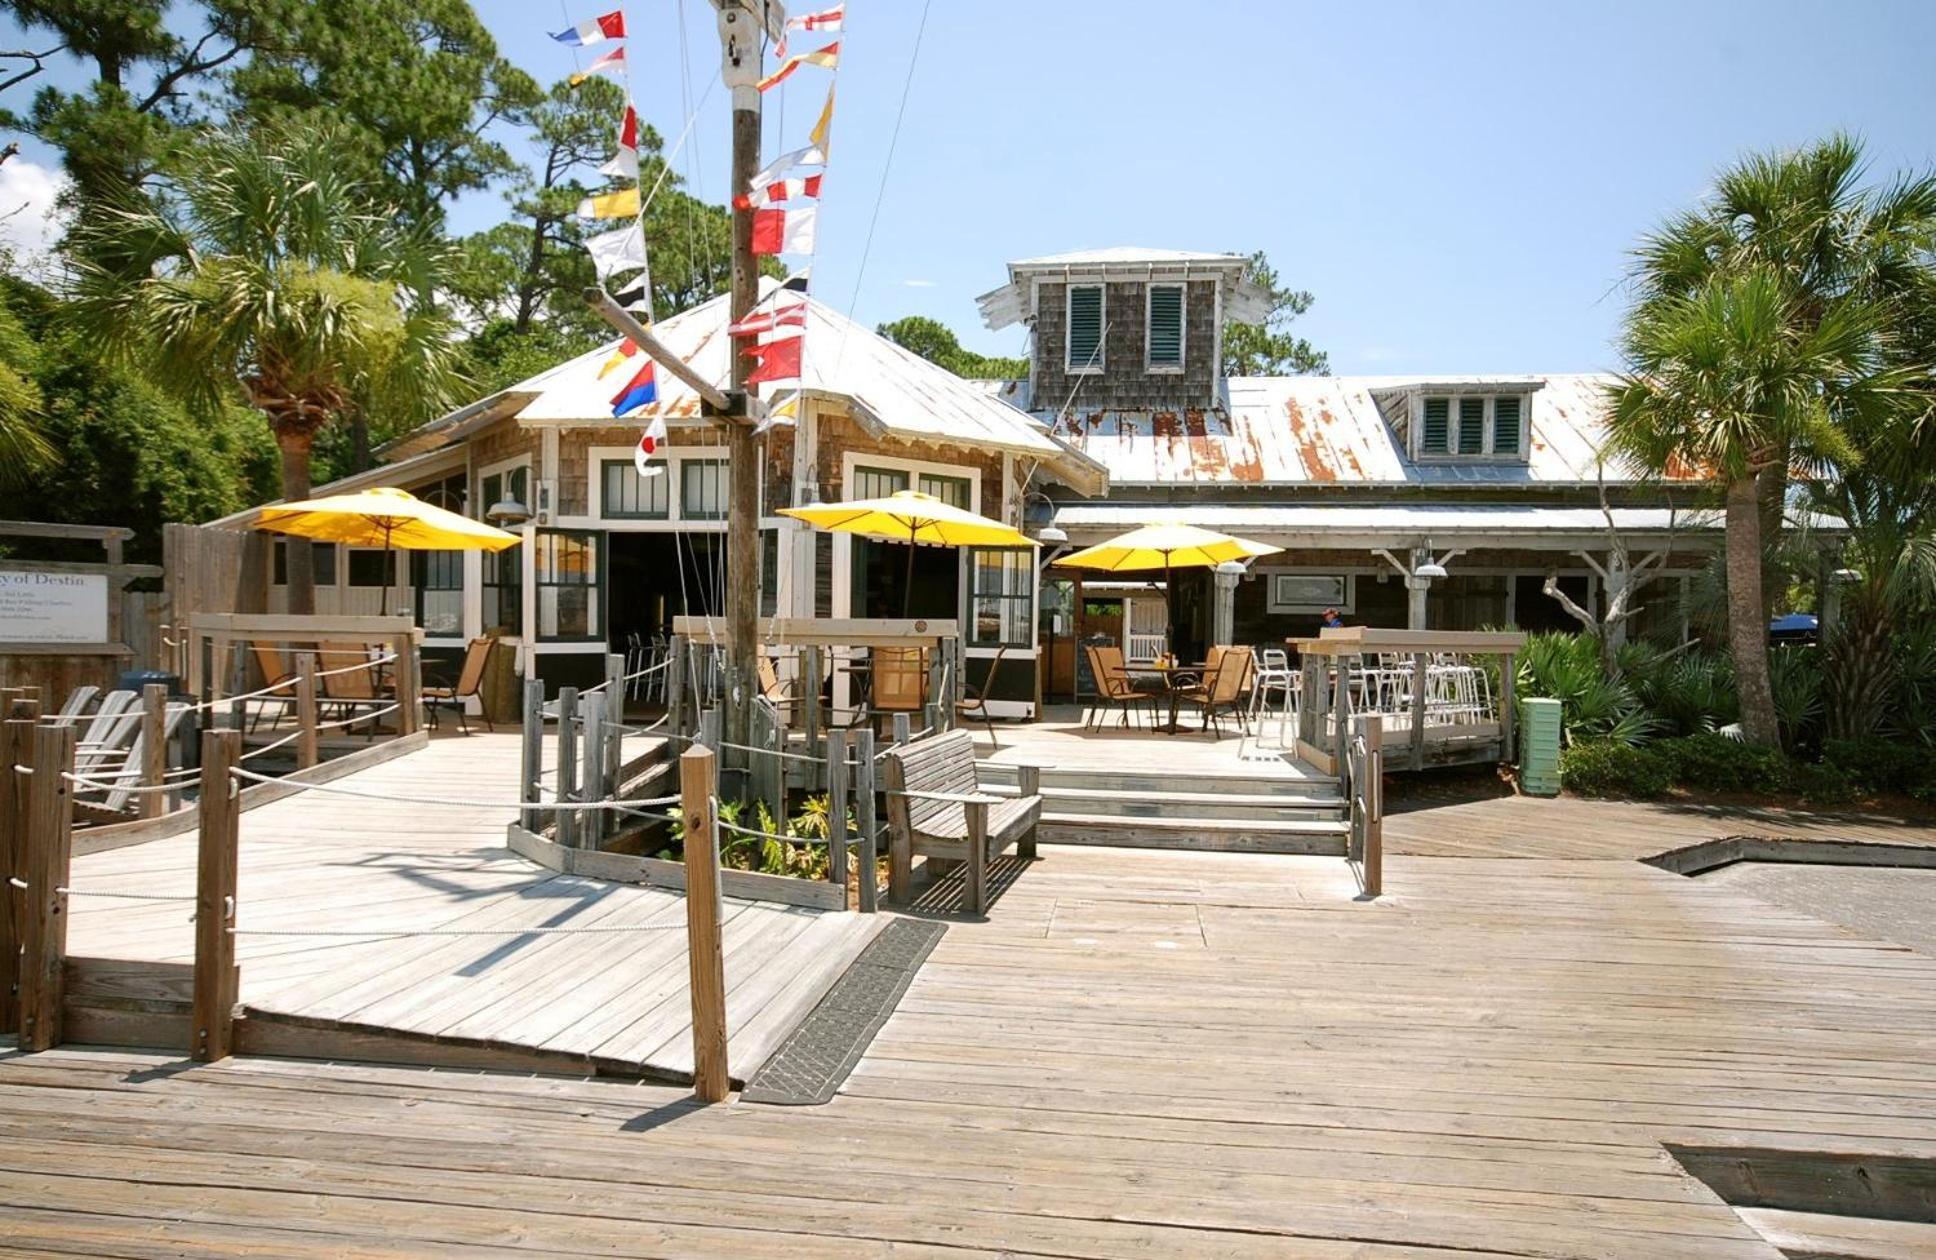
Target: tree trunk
[1859,668]
[1747,617]
[1771,499]
[295,442]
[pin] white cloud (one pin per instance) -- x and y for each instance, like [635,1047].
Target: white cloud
[917,284]
[29,224]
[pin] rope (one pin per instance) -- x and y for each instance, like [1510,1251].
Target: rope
[771,752]
[339,790]
[767,835]
[395,933]
[352,720]
[115,785]
[257,752]
[372,663]
[123,896]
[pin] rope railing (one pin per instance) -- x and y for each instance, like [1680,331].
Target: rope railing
[337,789]
[400,933]
[355,718]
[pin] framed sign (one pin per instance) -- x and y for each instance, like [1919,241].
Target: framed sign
[42,607]
[1310,592]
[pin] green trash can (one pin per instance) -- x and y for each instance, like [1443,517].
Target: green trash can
[1539,746]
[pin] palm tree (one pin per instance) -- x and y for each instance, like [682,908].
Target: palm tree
[261,266]
[1739,377]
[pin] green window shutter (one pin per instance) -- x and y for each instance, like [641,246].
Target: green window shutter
[1472,426]
[1433,436]
[1505,425]
[1085,326]
[1166,325]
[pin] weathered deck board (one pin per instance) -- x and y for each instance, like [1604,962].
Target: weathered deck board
[1177,1054]
[326,862]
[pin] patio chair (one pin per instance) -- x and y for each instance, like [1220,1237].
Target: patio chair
[276,675]
[77,701]
[122,770]
[900,680]
[441,691]
[782,693]
[1274,674]
[974,700]
[1220,689]
[1113,683]
[352,690]
[107,735]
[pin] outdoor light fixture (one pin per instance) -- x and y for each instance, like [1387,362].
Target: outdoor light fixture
[507,511]
[1232,567]
[1052,534]
[1430,569]
[1846,576]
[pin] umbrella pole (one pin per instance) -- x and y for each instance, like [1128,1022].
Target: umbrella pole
[383,601]
[1169,610]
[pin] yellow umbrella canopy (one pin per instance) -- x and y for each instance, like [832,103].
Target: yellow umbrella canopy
[1167,546]
[911,517]
[384,517]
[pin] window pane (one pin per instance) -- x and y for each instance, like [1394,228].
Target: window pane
[1001,596]
[372,568]
[950,490]
[702,489]
[1435,426]
[502,589]
[878,483]
[1085,326]
[324,563]
[569,605]
[1166,325]
[438,577]
[1505,425]
[625,494]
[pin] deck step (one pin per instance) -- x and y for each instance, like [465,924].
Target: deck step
[1134,781]
[1297,836]
[1203,806]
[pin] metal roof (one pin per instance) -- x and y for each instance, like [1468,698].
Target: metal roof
[1015,301]
[1310,430]
[1131,256]
[891,391]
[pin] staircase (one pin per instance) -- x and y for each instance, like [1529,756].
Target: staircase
[1248,813]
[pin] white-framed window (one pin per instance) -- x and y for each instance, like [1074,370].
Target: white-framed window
[626,496]
[1472,426]
[1163,318]
[1312,592]
[702,489]
[1001,597]
[1084,348]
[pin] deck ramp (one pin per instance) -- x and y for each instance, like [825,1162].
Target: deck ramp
[608,992]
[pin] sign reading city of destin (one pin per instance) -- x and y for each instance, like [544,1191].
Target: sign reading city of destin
[53,607]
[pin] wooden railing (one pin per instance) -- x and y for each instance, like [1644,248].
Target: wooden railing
[1363,783]
[1333,686]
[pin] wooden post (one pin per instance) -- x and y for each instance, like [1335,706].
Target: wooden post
[1374,796]
[709,731]
[239,684]
[1506,714]
[531,759]
[614,743]
[46,855]
[675,687]
[306,718]
[566,831]
[154,750]
[707,976]
[977,812]
[837,812]
[1307,700]
[903,728]
[934,715]
[409,678]
[1419,660]
[215,871]
[1028,777]
[809,684]
[1341,713]
[866,790]
[16,749]
[589,830]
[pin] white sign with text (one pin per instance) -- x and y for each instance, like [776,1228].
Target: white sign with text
[53,607]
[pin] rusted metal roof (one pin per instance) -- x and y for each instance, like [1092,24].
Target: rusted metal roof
[1310,430]
[1352,525]
[891,390]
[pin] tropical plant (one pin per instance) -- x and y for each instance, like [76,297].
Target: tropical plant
[1689,690]
[1772,316]
[24,449]
[262,269]
[1795,680]
[1593,704]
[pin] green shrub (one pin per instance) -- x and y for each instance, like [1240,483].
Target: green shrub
[1566,667]
[1715,763]
[1689,691]
[1820,783]
[1881,764]
[1608,767]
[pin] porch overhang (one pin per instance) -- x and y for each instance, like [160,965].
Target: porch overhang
[1362,528]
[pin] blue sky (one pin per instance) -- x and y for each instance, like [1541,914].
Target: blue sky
[1457,183]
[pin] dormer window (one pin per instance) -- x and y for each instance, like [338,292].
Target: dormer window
[1164,342]
[1472,426]
[1085,328]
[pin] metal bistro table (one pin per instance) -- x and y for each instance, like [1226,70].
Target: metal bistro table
[1170,676]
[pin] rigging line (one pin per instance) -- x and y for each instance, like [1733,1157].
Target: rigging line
[880,194]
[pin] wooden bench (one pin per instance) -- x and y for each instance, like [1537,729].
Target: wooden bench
[936,808]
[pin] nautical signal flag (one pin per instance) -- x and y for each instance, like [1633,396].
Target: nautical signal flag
[784,231]
[779,166]
[818,136]
[633,295]
[827,20]
[622,250]
[596,31]
[620,353]
[780,190]
[624,164]
[791,315]
[622,204]
[828,58]
[779,360]
[643,388]
[649,443]
[609,63]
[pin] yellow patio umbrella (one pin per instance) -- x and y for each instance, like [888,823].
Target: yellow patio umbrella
[384,517]
[911,517]
[1170,545]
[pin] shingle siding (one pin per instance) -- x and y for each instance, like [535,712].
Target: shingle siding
[1125,381]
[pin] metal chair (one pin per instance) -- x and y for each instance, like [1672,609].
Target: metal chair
[974,700]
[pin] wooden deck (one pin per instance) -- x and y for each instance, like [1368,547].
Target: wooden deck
[1148,1053]
[1062,740]
[610,997]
